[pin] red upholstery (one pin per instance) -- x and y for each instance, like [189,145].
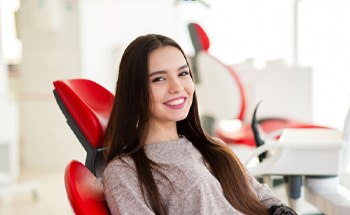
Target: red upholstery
[84,190]
[89,104]
[241,90]
[202,36]
[243,136]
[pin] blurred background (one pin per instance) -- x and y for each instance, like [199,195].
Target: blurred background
[45,40]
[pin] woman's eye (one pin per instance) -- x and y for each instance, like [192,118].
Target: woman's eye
[157,79]
[184,73]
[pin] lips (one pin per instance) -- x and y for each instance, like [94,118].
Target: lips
[176,103]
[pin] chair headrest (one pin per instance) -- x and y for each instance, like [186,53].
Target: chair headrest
[199,38]
[84,190]
[218,79]
[89,104]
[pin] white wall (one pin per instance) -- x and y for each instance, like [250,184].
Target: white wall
[50,37]
[107,26]
[238,29]
[325,45]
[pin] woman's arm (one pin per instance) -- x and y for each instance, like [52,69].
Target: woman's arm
[264,193]
[122,190]
[272,202]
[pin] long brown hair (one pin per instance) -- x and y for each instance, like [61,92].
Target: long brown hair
[128,125]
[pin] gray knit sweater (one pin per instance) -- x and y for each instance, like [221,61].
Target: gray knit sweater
[193,189]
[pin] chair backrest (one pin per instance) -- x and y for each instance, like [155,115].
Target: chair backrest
[219,89]
[220,92]
[84,190]
[86,106]
[199,38]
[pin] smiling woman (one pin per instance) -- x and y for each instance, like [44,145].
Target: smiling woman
[171,92]
[160,161]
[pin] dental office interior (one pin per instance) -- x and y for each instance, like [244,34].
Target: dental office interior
[292,56]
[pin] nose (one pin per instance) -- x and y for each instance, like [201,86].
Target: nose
[175,85]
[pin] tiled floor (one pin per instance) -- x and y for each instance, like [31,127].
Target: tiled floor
[52,199]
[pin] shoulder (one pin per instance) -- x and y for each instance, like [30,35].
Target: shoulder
[119,174]
[119,168]
[264,193]
[122,189]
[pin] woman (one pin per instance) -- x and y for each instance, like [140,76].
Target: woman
[160,161]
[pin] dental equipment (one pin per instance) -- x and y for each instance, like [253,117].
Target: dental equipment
[315,154]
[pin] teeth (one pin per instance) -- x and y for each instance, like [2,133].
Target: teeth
[176,102]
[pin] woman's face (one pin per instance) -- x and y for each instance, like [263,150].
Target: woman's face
[171,86]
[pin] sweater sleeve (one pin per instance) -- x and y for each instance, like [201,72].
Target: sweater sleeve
[122,190]
[264,193]
[275,205]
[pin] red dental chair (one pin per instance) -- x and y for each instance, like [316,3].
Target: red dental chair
[84,190]
[213,76]
[86,106]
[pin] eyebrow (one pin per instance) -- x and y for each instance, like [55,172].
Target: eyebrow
[164,71]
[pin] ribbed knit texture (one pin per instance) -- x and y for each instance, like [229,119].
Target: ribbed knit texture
[192,188]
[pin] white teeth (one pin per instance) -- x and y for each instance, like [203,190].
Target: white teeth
[176,102]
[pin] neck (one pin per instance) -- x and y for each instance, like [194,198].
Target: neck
[161,133]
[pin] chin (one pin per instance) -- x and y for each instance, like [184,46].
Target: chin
[180,118]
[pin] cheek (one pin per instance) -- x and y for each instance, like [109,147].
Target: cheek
[190,87]
[155,94]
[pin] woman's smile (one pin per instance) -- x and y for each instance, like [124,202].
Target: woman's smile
[176,103]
